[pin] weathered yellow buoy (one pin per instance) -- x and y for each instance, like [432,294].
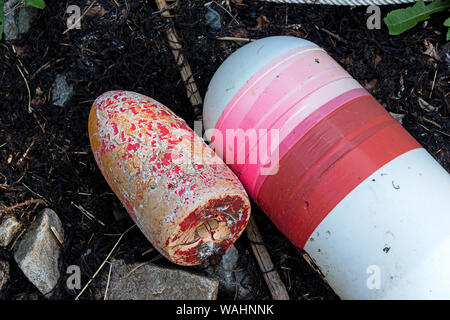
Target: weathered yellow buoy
[182,196]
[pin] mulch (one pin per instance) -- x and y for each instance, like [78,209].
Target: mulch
[124,47]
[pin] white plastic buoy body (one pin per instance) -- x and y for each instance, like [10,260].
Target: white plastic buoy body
[334,171]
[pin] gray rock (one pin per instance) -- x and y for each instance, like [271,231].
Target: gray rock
[8,229]
[212,18]
[38,252]
[62,91]
[231,277]
[4,274]
[18,21]
[151,282]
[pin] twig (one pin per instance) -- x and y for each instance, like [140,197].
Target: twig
[432,85]
[57,235]
[116,3]
[235,39]
[227,11]
[25,203]
[33,192]
[17,6]
[273,280]
[88,214]
[26,153]
[333,35]
[103,263]
[81,17]
[28,89]
[143,264]
[107,283]
[17,239]
[432,122]
[182,63]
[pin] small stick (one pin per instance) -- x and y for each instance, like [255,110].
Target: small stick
[103,263]
[17,239]
[235,39]
[432,86]
[57,235]
[88,214]
[33,192]
[26,153]
[28,89]
[333,35]
[25,203]
[182,63]
[273,280]
[107,283]
[227,11]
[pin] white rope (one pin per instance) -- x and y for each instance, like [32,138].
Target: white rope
[344,2]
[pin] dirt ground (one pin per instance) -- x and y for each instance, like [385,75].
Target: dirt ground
[121,45]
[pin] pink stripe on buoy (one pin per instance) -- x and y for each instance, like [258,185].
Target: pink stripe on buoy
[307,124]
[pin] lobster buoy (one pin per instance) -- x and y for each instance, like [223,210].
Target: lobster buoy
[333,170]
[184,199]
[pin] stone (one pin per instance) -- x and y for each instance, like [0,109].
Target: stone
[212,18]
[8,229]
[231,281]
[4,274]
[19,21]
[37,253]
[62,91]
[151,282]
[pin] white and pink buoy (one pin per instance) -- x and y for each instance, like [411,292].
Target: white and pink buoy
[334,171]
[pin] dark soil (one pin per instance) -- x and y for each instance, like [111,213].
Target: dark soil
[125,48]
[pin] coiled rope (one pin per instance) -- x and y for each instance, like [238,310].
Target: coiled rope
[344,2]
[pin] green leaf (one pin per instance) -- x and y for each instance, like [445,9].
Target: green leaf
[36,3]
[447,22]
[400,20]
[2,19]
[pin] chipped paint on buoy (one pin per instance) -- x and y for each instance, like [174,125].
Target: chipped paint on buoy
[185,200]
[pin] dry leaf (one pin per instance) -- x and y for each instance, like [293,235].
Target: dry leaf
[262,21]
[431,50]
[370,85]
[38,100]
[240,33]
[96,11]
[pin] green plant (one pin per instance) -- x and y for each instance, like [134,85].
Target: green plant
[400,20]
[447,24]
[40,4]
[2,19]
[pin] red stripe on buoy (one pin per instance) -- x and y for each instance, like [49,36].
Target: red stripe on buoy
[299,131]
[326,164]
